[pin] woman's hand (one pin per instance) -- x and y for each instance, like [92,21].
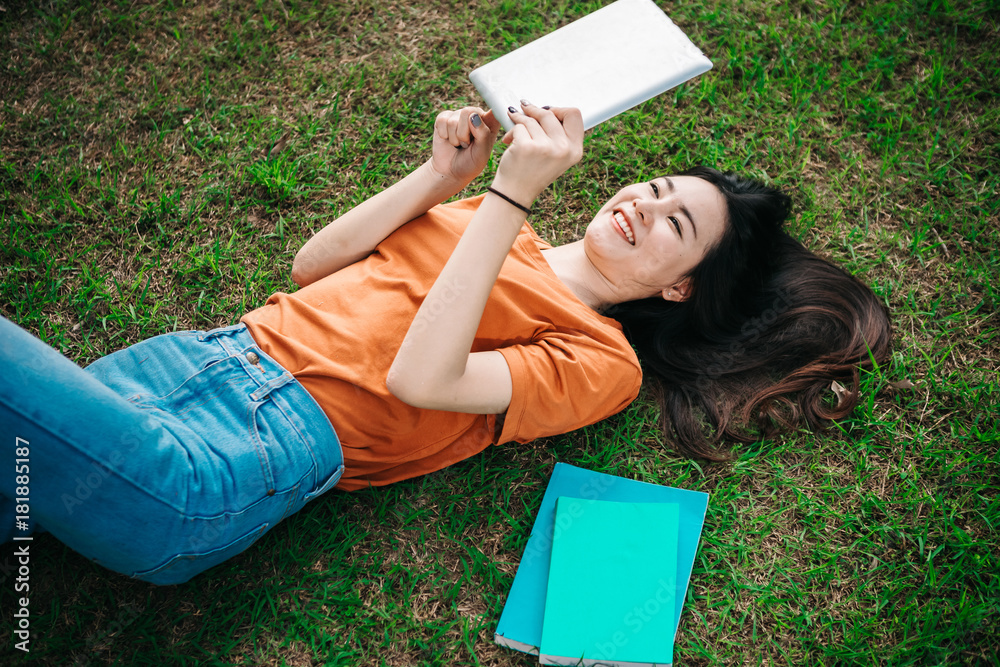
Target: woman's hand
[354,235]
[463,140]
[543,144]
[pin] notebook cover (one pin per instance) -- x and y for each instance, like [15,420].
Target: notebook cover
[520,625]
[610,594]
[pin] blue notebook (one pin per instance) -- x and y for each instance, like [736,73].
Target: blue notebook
[610,597]
[520,624]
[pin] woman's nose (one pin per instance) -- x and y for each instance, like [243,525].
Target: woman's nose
[645,210]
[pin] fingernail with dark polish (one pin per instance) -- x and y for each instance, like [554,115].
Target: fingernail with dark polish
[476,120]
[546,107]
[512,109]
[525,103]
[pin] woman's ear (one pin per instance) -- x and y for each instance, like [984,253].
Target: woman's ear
[678,291]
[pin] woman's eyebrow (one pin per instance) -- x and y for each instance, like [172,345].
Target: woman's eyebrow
[684,210]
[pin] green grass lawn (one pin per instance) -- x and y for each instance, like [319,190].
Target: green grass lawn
[162,161]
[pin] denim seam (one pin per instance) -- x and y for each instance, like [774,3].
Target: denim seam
[303,436]
[255,534]
[313,469]
[292,498]
[233,383]
[258,446]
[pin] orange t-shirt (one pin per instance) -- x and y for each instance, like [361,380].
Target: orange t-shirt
[570,366]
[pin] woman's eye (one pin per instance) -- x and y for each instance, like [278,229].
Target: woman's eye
[656,190]
[677,225]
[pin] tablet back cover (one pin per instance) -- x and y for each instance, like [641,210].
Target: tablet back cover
[604,63]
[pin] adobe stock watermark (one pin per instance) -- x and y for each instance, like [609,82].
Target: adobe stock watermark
[22,550]
[638,618]
[215,529]
[92,478]
[451,290]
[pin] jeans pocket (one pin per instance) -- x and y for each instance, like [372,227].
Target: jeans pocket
[327,485]
[180,568]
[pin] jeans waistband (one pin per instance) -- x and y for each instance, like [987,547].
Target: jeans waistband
[274,381]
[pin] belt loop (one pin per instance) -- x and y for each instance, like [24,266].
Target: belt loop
[271,385]
[219,331]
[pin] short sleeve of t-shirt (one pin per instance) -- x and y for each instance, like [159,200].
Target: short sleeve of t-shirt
[562,381]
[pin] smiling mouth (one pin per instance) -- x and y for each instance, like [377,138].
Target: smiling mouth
[624,226]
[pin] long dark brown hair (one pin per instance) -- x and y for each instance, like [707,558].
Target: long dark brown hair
[767,328]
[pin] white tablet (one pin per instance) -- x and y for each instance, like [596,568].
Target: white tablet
[603,63]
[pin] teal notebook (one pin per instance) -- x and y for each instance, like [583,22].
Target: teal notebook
[520,625]
[610,595]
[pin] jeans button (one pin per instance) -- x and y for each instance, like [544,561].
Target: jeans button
[253,358]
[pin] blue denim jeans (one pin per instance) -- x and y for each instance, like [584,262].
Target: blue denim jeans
[162,459]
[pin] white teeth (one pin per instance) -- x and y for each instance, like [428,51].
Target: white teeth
[625,227]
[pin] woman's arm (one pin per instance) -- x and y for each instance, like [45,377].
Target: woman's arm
[461,151]
[435,368]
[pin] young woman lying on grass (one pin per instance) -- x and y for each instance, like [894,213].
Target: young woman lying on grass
[424,333]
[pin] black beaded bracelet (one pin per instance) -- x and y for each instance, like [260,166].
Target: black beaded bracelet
[509,200]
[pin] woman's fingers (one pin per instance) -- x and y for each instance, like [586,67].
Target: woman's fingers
[560,128]
[482,125]
[453,129]
[519,133]
[465,126]
[547,121]
[552,122]
[446,126]
[462,143]
[526,120]
[543,145]
[459,129]
[571,119]
[441,124]
[490,120]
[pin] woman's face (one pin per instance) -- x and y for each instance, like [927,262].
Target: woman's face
[647,237]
